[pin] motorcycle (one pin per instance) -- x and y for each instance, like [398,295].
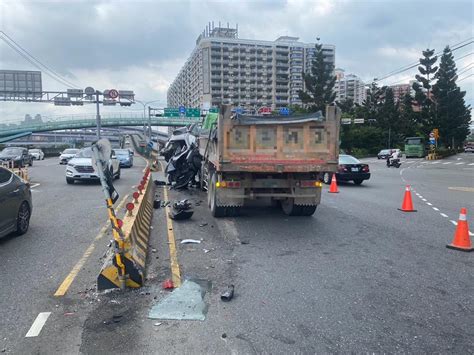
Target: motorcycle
[184,160]
[393,163]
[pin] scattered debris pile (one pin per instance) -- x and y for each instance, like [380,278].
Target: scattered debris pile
[181,210]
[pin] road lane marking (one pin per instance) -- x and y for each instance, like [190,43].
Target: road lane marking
[471,164]
[461,188]
[444,215]
[459,163]
[448,162]
[429,204]
[38,324]
[424,199]
[436,209]
[174,264]
[420,197]
[34,185]
[435,162]
[454,222]
[62,289]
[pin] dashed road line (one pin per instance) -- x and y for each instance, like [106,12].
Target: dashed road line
[454,222]
[444,215]
[424,199]
[470,164]
[448,162]
[436,209]
[429,203]
[38,324]
[459,163]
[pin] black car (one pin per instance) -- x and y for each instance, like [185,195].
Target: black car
[349,169]
[384,154]
[19,156]
[15,202]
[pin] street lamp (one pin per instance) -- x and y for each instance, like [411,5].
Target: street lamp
[144,113]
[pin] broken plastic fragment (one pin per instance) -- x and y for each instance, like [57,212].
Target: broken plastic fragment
[228,293]
[190,241]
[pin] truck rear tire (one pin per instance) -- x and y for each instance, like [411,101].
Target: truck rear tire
[289,208]
[308,210]
[216,211]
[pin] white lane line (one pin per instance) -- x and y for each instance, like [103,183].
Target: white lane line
[421,197]
[38,324]
[436,209]
[448,162]
[471,164]
[459,158]
[429,204]
[424,199]
[444,215]
[34,185]
[436,162]
[454,222]
[459,163]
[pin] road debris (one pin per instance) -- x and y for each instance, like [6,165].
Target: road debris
[244,241]
[181,210]
[168,284]
[158,324]
[228,293]
[203,225]
[190,241]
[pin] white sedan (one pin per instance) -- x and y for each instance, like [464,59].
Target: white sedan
[37,154]
[80,168]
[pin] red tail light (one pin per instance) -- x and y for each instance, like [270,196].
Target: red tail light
[342,168]
[365,169]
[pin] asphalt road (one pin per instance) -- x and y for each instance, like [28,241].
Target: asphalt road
[65,221]
[358,276]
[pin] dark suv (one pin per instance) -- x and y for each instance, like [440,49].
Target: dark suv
[19,156]
[15,199]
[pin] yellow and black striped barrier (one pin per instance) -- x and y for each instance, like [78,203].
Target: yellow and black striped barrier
[136,230]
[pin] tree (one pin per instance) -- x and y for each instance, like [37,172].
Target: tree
[423,87]
[346,106]
[452,116]
[388,118]
[408,119]
[319,83]
[371,104]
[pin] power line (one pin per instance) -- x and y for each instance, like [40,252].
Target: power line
[466,68]
[417,63]
[466,77]
[34,61]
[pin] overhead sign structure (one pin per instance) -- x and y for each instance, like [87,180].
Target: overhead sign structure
[265,110]
[182,110]
[358,120]
[284,111]
[20,84]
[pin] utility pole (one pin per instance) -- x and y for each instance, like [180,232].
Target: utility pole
[97,117]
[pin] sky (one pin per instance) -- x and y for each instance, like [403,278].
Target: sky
[141,45]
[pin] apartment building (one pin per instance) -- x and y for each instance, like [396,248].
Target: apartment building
[400,90]
[224,69]
[349,87]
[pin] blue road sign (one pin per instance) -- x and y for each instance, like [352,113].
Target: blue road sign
[284,111]
[239,110]
[150,144]
[182,110]
[432,141]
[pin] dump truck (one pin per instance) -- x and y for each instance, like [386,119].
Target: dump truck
[279,158]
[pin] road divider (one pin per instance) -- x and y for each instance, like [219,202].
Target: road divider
[135,228]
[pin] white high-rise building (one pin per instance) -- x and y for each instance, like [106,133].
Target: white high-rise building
[224,69]
[349,87]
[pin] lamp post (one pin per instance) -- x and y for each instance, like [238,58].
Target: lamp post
[144,113]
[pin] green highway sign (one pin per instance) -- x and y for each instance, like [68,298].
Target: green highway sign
[181,112]
[214,110]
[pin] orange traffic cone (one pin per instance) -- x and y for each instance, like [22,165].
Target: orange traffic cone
[461,236]
[407,205]
[333,187]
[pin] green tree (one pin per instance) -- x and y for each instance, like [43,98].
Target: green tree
[423,89]
[371,104]
[388,119]
[408,118]
[319,83]
[452,115]
[346,106]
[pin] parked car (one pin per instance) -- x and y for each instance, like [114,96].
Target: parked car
[15,199]
[384,154]
[80,168]
[349,169]
[131,151]
[469,148]
[67,155]
[19,156]
[37,154]
[124,157]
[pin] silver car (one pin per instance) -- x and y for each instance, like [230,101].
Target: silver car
[67,155]
[16,204]
[80,168]
[37,154]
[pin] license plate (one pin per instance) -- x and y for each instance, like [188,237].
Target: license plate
[354,169]
[86,176]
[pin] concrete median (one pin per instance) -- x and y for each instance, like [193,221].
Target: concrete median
[135,229]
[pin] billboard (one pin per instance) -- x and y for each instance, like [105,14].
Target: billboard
[20,84]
